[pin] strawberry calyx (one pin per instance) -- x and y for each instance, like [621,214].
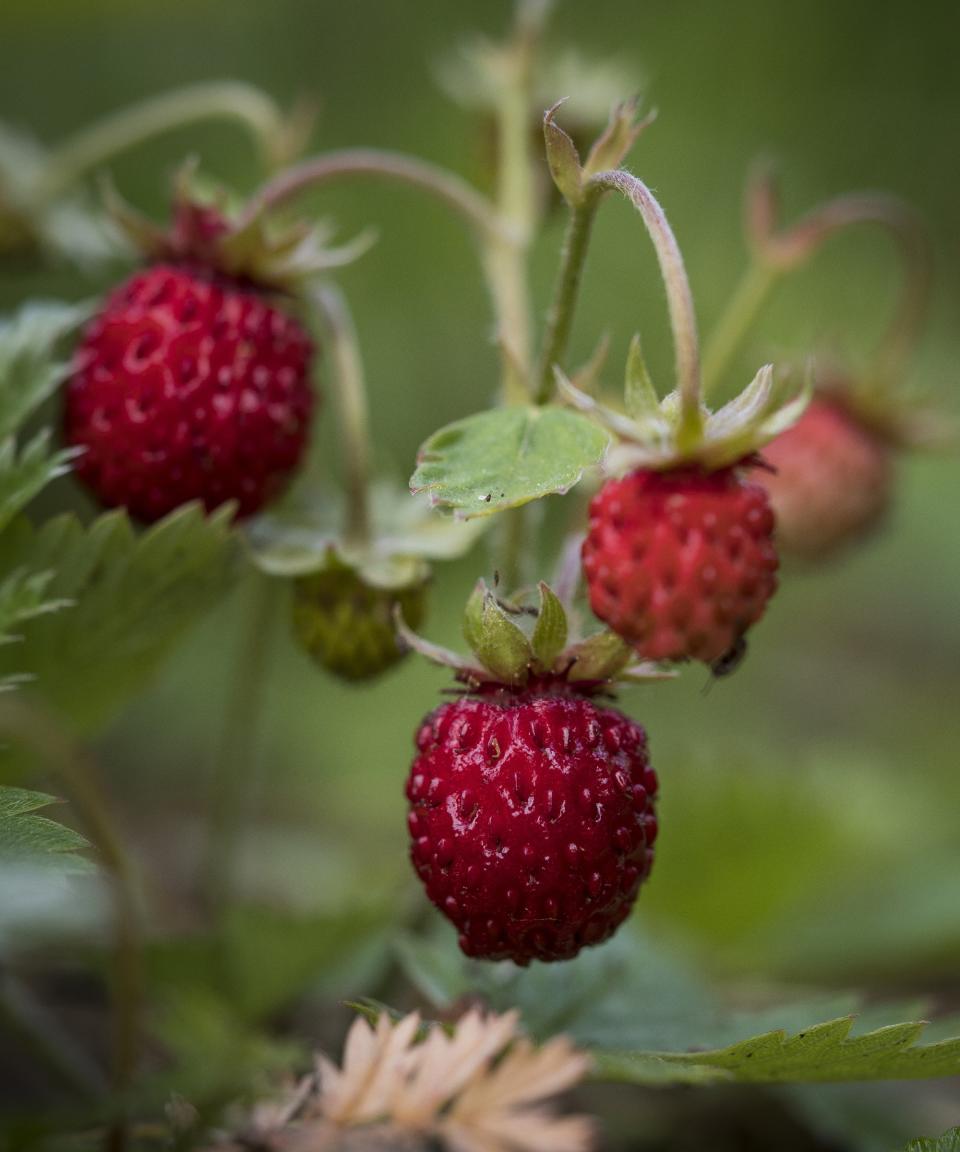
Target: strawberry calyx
[250,250]
[525,649]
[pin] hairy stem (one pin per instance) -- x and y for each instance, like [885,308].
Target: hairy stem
[783,252]
[683,322]
[560,317]
[131,126]
[236,764]
[42,734]
[807,236]
[745,306]
[353,411]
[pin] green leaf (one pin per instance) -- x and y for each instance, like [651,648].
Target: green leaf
[25,474]
[28,839]
[948,1142]
[823,1053]
[550,633]
[133,597]
[29,372]
[507,457]
[647,1017]
[297,536]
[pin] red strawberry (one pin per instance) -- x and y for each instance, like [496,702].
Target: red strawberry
[189,386]
[680,563]
[830,482]
[532,819]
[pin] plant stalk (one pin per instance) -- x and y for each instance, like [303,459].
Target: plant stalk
[560,317]
[353,411]
[40,732]
[683,321]
[235,768]
[131,126]
[745,306]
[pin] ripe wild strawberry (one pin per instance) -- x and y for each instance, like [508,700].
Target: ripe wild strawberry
[680,563]
[531,820]
[188,386]
[830,479]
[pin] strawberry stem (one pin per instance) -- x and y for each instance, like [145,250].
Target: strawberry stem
[683,322]
[560,317]
[98,143]
[42,734]
[777,254]
[352,408]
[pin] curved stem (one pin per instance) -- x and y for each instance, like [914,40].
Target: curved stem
[131,126]
[560,317]
[235,768]
[353,411]
[745,306]
[41,733]
[806,237]
[445,186]
[683,322]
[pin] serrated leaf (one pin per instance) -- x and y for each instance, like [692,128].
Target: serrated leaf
[648,1017]
[297,536]
[28,839]
[823,1053]
[948,1142]
[133,597]
[550,632]
[507,457]
[29,371]
[24,474]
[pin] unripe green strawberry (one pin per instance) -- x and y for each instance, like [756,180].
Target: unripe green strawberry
[347,623]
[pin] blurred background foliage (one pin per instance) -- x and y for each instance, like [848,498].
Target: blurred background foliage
[809,828]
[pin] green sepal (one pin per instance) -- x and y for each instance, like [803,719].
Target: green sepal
[550,632]
[621,133]
[498,643]
[599,657]
[563,159]
[640,395]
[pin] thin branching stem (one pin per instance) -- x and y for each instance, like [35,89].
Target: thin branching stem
[352,408]
[683,322]
[100,142]
[41,732]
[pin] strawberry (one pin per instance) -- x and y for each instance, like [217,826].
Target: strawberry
[531,819]
[680,563]
[186,386]
[346,623]
[531,816]
[829,480]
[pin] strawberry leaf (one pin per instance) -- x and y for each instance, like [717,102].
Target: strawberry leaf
[28,839]
[29,371]
[133,597]
[507,457]
[948,1142]
[646,1017]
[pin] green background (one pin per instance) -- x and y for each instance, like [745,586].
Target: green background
[809,803]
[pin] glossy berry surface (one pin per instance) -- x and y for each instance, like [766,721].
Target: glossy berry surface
[531,821]
[680,563]
[188,387]
[347,625]
[831,480]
